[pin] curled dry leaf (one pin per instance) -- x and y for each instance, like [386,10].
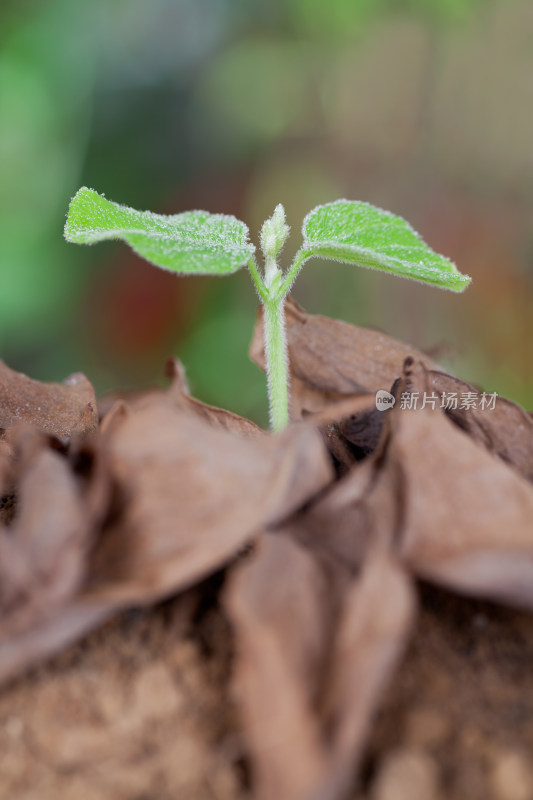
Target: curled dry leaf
[178,392]
[43,555]
[350,516]
[164,495]
[339,524]
[277,602]
[217,417]
[373,631]
[49,634]
[353,416]
[500,425]
[43,550]
[58,409]
[310,673]
[466,517]
[194,495]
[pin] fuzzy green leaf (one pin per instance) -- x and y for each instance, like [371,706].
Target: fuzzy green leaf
[192,243]
[359,233]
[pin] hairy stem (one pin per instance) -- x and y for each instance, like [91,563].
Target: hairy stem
[276,360]
[256,277]
[299,260]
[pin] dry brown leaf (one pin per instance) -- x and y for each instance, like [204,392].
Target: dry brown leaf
[42,552]
[55,630]
[58,409]
[176,495]
[373,630]
[340,410]
[466,517]
[278,604]
[44,541]
[505,429]
[217,417]
[363,430]
[352,415]
[178,391]
[193,495]
[344,520]
[312,664]
[353,514]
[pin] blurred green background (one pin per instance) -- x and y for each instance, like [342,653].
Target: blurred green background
[424,107]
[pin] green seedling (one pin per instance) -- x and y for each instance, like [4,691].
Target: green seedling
[199,243]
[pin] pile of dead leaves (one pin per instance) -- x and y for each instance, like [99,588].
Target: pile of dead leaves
[319,537]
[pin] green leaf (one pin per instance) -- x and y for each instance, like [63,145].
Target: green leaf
[359,233]
[192,243]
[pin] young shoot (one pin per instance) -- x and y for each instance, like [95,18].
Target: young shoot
[199,243]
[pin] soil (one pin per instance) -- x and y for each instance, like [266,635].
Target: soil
[457,719]
[345,615]
[141,708]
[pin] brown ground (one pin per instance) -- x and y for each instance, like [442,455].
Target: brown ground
[141,709]
[457,721]
[136,710]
